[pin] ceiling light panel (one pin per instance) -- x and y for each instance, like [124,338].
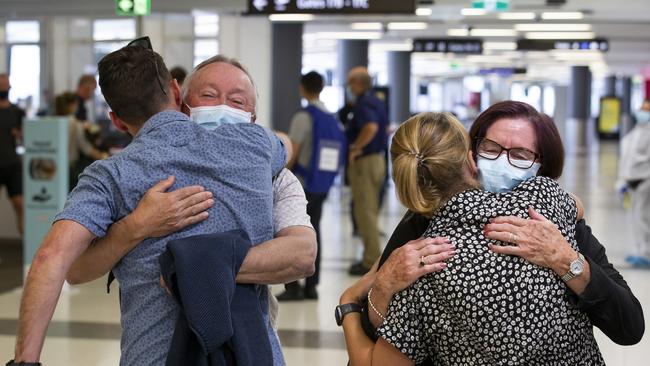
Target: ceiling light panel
[423,12]
[517,16]
[562,15]
[560,35]
[472,12]
[547,27]
[407,26]
[291,17]
[366,26]
[457,32]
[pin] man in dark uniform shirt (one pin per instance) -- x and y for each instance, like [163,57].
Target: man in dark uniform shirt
[367,164]
[85,90]
[11,120]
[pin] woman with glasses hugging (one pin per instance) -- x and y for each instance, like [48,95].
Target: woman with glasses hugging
[503,275]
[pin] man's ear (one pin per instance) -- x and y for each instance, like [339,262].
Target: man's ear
[175,91]
[117,122]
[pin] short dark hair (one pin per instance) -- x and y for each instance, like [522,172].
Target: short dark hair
[178,73]
[312,82]
[549,142]
[127,78]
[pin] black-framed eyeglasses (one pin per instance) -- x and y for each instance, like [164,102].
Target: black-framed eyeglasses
[145,42]
[518,157]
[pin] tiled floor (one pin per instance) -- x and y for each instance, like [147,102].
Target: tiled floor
[85,329]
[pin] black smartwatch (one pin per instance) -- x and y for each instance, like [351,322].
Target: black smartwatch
[12,363]
[342,310]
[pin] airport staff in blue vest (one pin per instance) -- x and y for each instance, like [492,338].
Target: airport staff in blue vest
[318,153]
[366,162]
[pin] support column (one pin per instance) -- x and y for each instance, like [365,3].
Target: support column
[236,35]
[626,105]
[399,80]
[352,53]
[610,86]
[560,112]
[579,110]
[286,71]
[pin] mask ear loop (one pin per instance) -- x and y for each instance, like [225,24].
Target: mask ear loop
[188,110]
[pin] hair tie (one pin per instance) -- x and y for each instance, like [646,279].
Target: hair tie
[418,157]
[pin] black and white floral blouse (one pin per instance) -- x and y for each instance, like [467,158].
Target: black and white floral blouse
[487,308]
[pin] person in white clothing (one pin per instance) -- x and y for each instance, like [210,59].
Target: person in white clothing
[634,174]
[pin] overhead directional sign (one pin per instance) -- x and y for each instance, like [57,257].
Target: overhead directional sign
[331,6]
[491,5]
[449,45]
[597,44]
[132,7]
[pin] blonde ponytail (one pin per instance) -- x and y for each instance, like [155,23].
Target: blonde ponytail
[429,154]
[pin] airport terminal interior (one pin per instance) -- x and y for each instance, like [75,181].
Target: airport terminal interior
[585,63]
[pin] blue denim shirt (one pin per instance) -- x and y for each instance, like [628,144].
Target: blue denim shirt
[235,162]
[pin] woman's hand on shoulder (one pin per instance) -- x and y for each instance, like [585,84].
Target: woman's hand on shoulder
[413,260]
[160,213]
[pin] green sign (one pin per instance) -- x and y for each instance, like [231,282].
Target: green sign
[132,7]
[491,5]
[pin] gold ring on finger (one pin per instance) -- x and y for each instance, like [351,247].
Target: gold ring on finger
[422,263]
[513,238]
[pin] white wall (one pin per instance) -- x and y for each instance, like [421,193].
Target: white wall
[172,37]
[248,39]
[72,54]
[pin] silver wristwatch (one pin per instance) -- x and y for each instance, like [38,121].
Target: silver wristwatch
[575,268]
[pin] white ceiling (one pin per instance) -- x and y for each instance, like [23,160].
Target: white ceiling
[626,23]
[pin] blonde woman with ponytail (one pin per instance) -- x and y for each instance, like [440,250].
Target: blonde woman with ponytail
[431,161]
[479,307]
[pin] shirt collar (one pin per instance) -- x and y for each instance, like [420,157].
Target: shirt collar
[161,119]
[317,103]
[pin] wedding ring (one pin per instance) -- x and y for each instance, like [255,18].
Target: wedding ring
[513,238]
[422,261]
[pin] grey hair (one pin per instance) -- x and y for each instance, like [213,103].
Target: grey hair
[213,60]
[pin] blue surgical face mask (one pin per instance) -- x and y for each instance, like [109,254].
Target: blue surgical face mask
[349,95]
[499,176]
[642,116]
[211,117]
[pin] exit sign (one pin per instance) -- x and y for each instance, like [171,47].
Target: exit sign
[132,7]
[491,5]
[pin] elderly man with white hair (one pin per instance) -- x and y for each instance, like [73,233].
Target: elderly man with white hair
[218,91]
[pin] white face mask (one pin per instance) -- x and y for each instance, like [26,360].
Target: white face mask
[211,117]
[642,116]
[499,176]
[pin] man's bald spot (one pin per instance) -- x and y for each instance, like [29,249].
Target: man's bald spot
[360,74]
